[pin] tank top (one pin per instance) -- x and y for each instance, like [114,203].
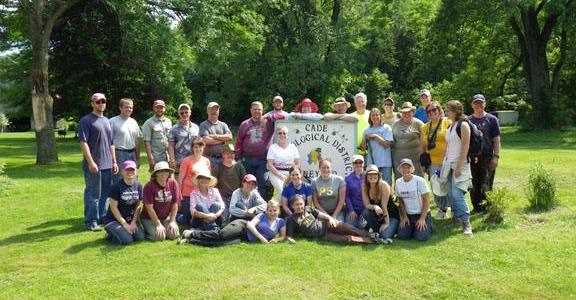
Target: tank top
[454,143]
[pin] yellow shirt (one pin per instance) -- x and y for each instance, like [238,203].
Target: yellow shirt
[362,125]
[436,154]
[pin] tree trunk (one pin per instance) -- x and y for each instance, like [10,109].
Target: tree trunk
[533,41]
[42,103]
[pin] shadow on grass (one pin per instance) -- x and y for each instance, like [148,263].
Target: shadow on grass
[73,225]
[101,243]
[59,170]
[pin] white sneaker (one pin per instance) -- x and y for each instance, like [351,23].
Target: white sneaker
[467,228]
[441,215]
[186,233]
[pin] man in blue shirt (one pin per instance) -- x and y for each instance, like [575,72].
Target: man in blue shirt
[425,99]
[99,162]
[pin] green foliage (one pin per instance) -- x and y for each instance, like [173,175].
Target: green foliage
[541,188]
[497,202]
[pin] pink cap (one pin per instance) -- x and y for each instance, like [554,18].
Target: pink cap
[249,178]
[129,164]
[158,103]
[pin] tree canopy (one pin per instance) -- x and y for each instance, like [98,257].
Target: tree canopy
[521,54]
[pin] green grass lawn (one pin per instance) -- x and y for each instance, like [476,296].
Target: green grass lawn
[45,251]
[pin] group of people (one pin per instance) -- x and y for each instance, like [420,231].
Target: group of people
[204,189]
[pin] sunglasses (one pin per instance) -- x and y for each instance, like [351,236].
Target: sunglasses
[281,133]
[184,113]
[358,162]
[388,104]
[100,101]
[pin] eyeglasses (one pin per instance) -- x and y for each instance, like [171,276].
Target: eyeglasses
[358,162]
[432,110]
[100,101]
[281,133]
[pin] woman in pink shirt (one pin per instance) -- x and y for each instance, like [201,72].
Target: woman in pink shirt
[206,204]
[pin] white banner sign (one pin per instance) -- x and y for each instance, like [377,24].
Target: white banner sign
[316,140]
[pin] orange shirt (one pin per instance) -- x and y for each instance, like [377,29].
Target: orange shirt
[189,168]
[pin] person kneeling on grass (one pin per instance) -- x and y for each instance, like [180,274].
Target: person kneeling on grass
[121,222]
[206,204]
[311,223]
[161,199]
[380,213]
[267,227]
[415,220]
[246,202]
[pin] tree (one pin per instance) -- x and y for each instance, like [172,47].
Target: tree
[533,38]
[41,16]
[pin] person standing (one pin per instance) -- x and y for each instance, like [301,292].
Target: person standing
[434,147]
[215,134]
[362,114]
[484,166]
[425,99]
[378,140]
[155,132]
[456,167]
[340,108]
[278,112]
[389,116]
[126,135]
[99,162]
[407,142]
[180,137]
[254,137]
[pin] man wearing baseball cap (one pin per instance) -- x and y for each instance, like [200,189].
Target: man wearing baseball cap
[99,162]
[181,136]
[215,134]
[278,112]
[354,202]
[425,99]
[484,167]
[155,133]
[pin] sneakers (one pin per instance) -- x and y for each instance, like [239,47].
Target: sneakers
[375,236]
[467,228]
[95,227]
[385,241]
[441,214]
[186,233]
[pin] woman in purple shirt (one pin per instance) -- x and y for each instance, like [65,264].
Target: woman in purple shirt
[267,227]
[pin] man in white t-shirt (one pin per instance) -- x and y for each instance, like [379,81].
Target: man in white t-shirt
[414,194]
[126,135]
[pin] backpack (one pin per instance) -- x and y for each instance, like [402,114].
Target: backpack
[479,146]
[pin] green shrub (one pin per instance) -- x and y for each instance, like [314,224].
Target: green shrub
[496,203]
[541,188]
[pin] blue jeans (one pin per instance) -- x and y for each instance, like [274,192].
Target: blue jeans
[373,221]
[200,224]
[409,231]
[386,174]
[96,193]
[118,235]
[457,200]
[122,156]
[183,216]
[441,201]
[257,167]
